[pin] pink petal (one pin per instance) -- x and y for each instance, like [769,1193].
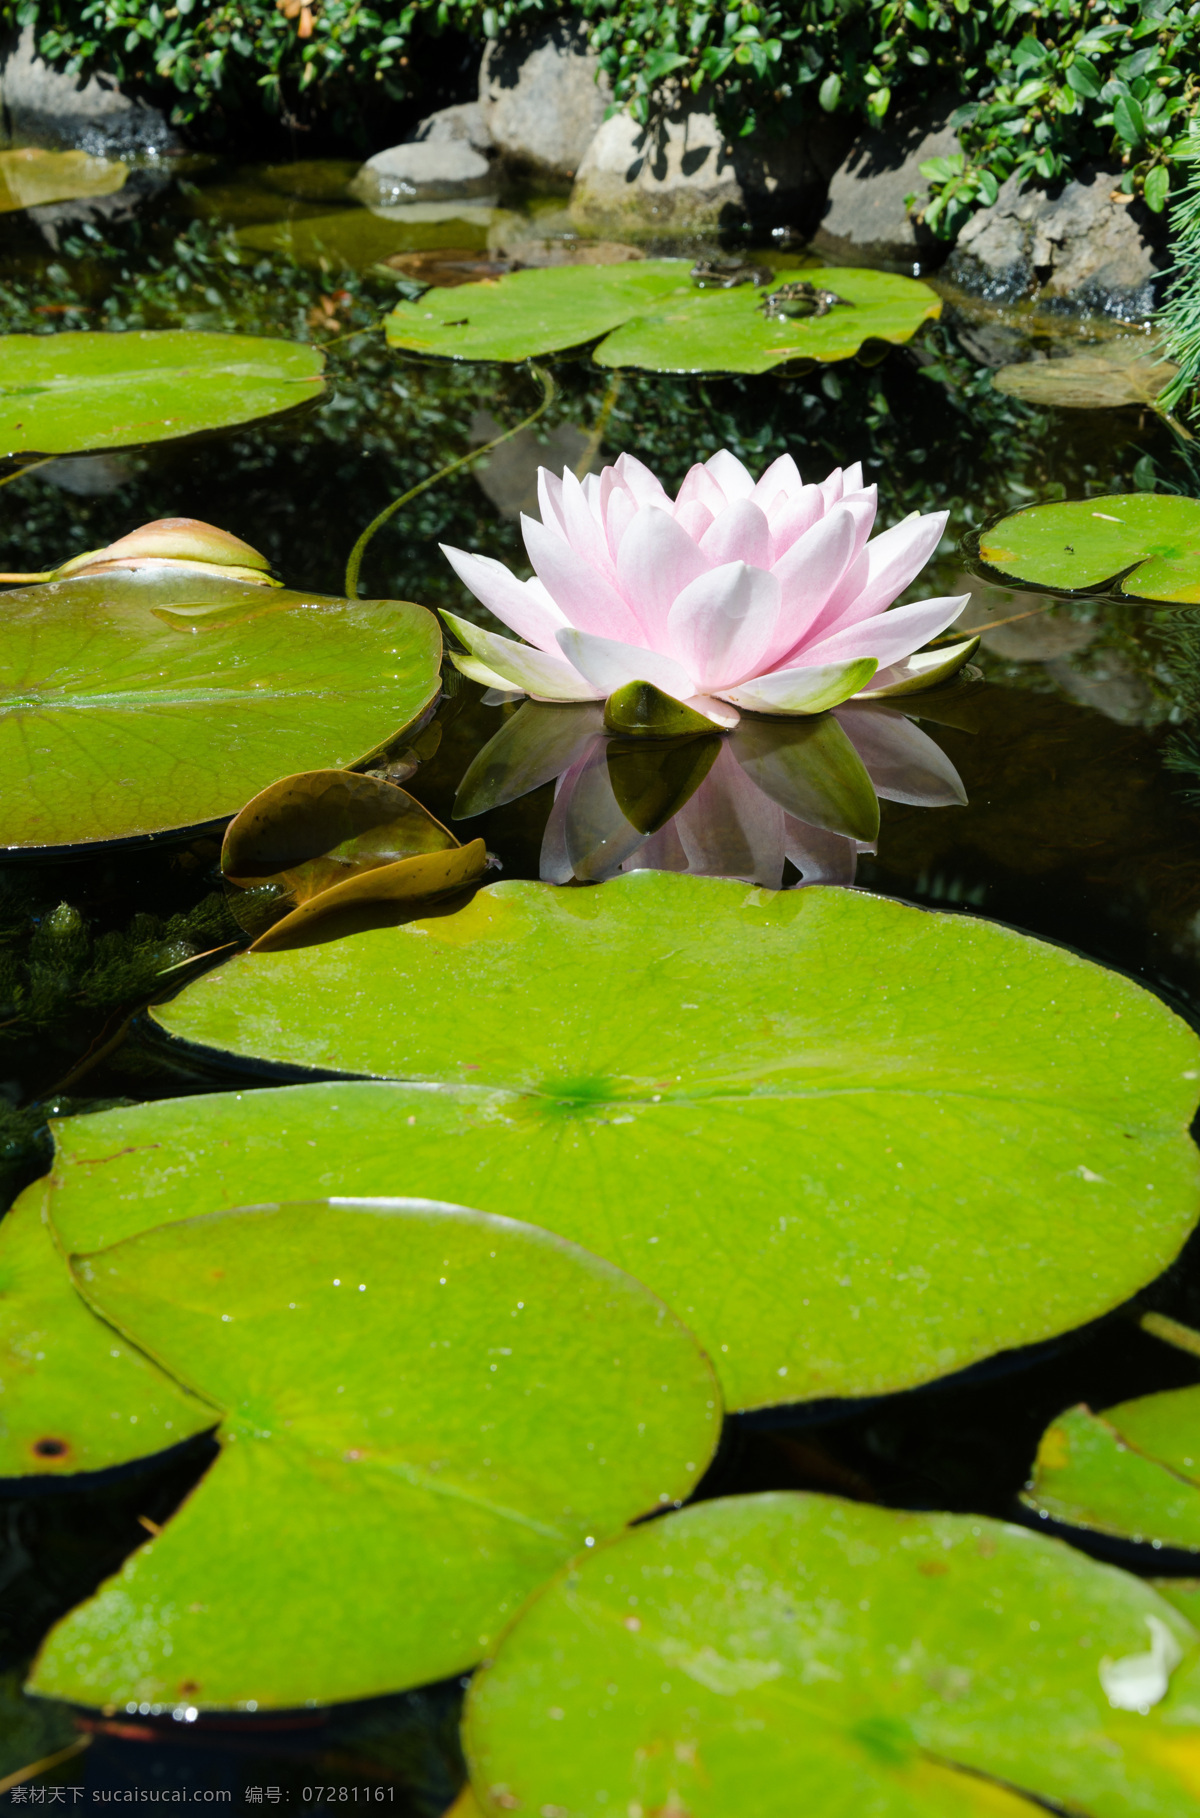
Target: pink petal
[550,498]
[537,672]
[740,534]
[887,637]
[620,509]
[730,475]
[799,514]
[591,492]
[580,592]
[656,561]
[645,486]
[885,568]
[832,487]
[903,762]
[720,626]
[583,532]
[524,606]
[608,664]
[693,517]
[852,477]
[819,857]
[729,828]
[700,487]
[808,574]
[781,476]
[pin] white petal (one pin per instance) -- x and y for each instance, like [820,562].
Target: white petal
[608,664]
[781,476]
[583,532]
[581,593]
[537,672]
[1138,1681]
[885,568]
[645,486]
[657,560]
[549,490]
[740,534]
[852,477]
[699,487]
[730,475]
[888,636]
[832,487]
[524,606]
[720,626]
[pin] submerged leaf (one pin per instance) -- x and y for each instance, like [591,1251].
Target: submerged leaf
[939,1666]
[31,177]
[426,1410]
[63,393]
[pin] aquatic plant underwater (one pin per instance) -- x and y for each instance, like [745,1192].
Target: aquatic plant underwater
[489,1209]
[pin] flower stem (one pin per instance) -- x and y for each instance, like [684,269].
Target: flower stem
[585,460]
[549,390]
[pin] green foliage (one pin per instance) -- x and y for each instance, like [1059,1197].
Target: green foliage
[1049,85]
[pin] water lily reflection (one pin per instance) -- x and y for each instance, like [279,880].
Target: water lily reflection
[738,805]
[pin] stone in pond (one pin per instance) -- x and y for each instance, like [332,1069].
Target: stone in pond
[1083,243]
[543,96]
[446,156]
[866,219]
[44,105]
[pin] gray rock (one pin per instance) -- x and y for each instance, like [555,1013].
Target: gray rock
[508,477]
[543,97]
[447,156]
[1076,247]
[53,219]
[866,217]
[41,105]
[687,176]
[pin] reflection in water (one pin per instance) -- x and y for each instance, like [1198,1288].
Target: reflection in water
[739,805]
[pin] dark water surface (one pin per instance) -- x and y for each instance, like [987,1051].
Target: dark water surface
[1075,752]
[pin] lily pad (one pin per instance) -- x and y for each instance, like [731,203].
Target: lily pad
[74,1395]
[777,1653]
[1132,1471]
[30,177]
[63,393]
[143,701]
[1140,545]
[532,312]
[1125,374]
[824,1127]
[426,1410]
[727,331]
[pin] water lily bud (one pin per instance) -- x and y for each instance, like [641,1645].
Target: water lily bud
[184,541]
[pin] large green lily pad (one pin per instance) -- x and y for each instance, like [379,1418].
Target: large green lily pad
[828,1129]
[1144,545]
[141,701]
[31,176]
[784,1653]
[74,1395]
[426,1411]
[63,393]
[532,312]
[1132,1471]
[727,331]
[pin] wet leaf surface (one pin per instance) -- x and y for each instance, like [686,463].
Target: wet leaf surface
[1085,543]
[62,393]
[927,1665]
[139,702]
[426,1410]
[1132,1471]
[719,1089]
[727,331]
[532,312]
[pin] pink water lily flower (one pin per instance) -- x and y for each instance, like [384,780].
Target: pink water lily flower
[767,595]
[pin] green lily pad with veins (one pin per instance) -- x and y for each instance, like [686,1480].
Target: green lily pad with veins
[1132,1471]
[69,392]
[1139,545]
[138,702]
[788,1653]
[728,331]
[853,1144]
[527,313]
[424,1412]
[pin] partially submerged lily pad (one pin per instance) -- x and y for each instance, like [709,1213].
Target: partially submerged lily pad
[1131,1471]
[424,1411]
[728,331]
[1139,545]
[935,1666]
[134,703]
[535,312]
[31,176]
[1125,373]
[824,1127]
[64,393]
[330,852]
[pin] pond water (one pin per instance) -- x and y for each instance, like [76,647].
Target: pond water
[1073,747]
